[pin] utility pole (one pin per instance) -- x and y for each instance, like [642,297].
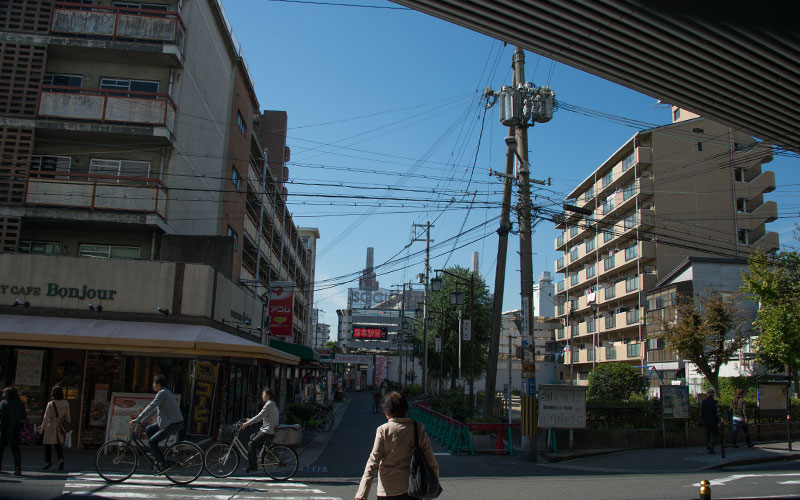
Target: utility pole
[472,340]
[401,337]
[427,227]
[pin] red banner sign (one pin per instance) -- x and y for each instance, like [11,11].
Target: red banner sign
[369,332]
[281,304]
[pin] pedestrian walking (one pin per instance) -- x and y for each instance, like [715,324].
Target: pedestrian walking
[12,414]
[739,408]
[390,459]
[56,423]
[710,415]
[269,416]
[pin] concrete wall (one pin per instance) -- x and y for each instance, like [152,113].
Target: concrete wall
[216,251]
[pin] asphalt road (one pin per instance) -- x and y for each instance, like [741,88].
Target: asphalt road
[338,469]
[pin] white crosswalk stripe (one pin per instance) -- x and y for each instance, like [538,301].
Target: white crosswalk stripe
[208,488]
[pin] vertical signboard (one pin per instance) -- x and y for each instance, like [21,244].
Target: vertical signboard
[203,397]
[126,406]
[675,401]
[281,305]
[466,330]
[381,369]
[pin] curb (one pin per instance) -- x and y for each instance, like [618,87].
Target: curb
[751,461]
[556,459]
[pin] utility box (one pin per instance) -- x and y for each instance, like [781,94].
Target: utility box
[510,101]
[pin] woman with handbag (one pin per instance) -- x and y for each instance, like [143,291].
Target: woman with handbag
[12,414]
[55,426]
[396,442]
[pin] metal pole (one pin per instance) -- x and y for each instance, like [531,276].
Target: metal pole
[441,352]
[402,333]
[460,334]
[425,311]
[500,274]
[472,341]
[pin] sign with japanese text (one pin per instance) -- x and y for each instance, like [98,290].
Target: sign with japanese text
[675,401]
[562,407]
[438,344]
[126,406]
[281,305]
[370,332]
[205,385]
[381,369]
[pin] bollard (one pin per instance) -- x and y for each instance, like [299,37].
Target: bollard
[705,490]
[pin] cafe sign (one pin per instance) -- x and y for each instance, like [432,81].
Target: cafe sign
[80,292]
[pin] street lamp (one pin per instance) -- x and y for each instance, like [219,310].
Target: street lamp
[418,313]
[436,284]
[456,298]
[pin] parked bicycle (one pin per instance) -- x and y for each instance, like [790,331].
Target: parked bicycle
[117,460]
[278,461]
[325,416]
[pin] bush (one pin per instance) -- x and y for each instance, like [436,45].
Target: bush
[413,391]
[300,413]
[615,382]
[452,403]
[729,385]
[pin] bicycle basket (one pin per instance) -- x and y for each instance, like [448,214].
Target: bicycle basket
[288,435]
[226,432]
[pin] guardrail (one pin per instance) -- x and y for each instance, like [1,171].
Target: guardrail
[457,436]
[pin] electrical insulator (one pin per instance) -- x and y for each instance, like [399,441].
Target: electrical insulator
[544,105]
[510,101]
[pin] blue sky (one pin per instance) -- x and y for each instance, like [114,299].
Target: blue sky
[420,78]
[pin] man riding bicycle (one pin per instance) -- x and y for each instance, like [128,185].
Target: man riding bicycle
[269,415]
[169,419]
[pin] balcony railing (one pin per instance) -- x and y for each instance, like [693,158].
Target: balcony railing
[104,105]
[119,23]
[98,192]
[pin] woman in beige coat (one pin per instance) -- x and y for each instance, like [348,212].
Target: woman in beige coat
[57,411]
[390,459]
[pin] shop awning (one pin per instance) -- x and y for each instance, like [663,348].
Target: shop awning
[112,335]
[304,353]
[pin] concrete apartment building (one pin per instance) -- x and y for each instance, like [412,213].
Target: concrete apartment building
[141,221]
[691,188]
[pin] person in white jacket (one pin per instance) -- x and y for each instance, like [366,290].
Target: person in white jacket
[269,417]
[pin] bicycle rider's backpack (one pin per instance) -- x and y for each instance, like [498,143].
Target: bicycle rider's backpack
[422,482]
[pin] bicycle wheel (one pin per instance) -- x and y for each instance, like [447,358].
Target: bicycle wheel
[221,460]
[279,462]
[185,462]
[116,461]
[327,421]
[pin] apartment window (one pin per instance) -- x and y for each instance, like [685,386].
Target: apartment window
[591,271]
[628,161]
[560,263]
[138,6]
[576,357]
[589,194]
[676,114]
[629,190]
[741,205]
[608,263]
[635,350]
[235,236]
[590,325]
[608,205]
[611,353]
[560,286]
[573,231]
[610,292]
[590,221]
[632,284]
[40,247]
[560,333]
[120,168]
[590,354]
[574,329]
[608,178]
[560,239]
[149,86]
[63,80]
[573,279]
[573,254]
[699,146]
[632,317]
[589,245]
[236,179]
[608,235]
[611,321]
[561,309]
[241,123]
[739,174]
[631,252]
[743,236]
[109,251]
[655,344]
[45,167]
[629,222]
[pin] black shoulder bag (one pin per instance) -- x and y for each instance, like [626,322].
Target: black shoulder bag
[422,482]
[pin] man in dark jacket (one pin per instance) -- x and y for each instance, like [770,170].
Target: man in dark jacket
[710,415]
[12,414]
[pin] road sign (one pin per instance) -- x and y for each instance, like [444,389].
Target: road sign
[531,385]
[466,330]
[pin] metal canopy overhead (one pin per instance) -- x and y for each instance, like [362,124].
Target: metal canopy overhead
[735,62]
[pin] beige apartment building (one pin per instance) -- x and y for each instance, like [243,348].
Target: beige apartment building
[691,188]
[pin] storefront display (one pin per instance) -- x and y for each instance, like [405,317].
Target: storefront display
[125,406]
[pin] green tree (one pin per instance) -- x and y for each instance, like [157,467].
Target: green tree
[708,332]
[444,323]
[331,344]
[775,284]
[615,382]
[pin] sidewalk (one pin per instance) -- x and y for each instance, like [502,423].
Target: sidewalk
[670,459]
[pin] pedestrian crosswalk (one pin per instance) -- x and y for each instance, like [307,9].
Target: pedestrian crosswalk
[206,487]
